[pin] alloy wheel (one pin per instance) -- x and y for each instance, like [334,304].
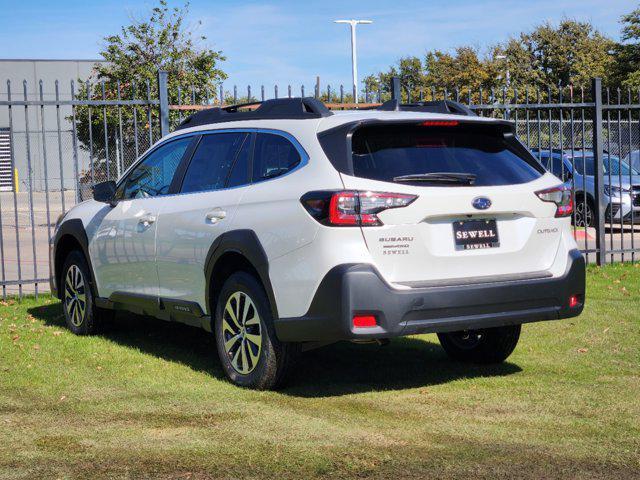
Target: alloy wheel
[584,214]
[75,295]
[242,332]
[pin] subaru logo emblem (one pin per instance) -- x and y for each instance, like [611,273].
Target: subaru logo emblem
[481,203]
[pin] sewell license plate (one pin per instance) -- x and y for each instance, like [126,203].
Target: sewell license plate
[475,234]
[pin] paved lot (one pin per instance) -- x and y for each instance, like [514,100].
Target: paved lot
[33,238]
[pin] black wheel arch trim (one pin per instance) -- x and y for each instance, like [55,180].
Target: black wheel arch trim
[244,242]
[73,228]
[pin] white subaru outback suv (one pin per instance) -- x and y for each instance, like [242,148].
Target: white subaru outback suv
[290,226]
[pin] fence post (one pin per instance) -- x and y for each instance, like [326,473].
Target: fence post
[163,97]
[598,142]
[395,89]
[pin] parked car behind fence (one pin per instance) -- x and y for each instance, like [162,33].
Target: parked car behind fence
[577,168]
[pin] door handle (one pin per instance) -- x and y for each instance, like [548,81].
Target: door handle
[216,215]
[146,220]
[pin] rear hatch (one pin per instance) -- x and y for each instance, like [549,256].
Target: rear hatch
[476,214]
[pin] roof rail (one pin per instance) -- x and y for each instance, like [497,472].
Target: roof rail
[442,106]
[279,108]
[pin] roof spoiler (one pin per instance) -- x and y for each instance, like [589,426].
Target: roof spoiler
[298,108]
[442,106]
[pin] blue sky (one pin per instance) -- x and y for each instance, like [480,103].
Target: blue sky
[282,42]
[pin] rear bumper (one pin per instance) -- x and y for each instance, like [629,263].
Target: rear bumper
[354,289]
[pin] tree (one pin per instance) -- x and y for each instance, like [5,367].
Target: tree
[132,60]
[463,71]
[570,54]
[627,71]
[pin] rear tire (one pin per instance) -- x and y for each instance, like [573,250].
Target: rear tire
[490,345]
[249,350]
[80,312]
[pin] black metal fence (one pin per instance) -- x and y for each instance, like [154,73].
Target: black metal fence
[57,141]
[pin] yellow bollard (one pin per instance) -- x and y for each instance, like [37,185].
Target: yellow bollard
[16,184]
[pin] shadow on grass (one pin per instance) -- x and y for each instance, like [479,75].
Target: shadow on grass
[335,370]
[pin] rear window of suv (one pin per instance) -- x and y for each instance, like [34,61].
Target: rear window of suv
[391,151]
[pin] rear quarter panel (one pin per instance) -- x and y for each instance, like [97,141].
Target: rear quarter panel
[272,209]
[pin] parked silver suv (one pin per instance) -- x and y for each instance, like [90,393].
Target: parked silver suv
[621,184]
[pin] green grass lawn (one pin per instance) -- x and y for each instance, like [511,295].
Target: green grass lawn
[148,399]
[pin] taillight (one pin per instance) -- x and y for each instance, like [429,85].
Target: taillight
[352,207]
[561,196]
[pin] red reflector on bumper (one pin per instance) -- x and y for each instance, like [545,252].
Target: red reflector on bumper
[364,321]
[574,301]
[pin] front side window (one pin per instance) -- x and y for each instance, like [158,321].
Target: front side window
[213,160]
[153,175]
[273,156]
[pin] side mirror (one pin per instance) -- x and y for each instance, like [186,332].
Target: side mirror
[105,192]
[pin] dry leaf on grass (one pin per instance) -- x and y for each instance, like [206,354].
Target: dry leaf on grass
[583,350]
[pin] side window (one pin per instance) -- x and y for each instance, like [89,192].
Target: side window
[240,171]
[273,155]
[212,161]
[153,176]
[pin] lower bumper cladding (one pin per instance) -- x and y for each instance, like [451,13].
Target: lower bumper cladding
[351,292]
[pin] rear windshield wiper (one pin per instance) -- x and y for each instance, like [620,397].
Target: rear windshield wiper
[439,177]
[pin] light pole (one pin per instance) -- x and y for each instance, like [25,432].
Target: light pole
[354,59]
[507,75]
[507,79]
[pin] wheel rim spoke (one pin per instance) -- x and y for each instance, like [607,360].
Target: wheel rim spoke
[235,361]
[245,311]
[255,339]
[230,310]
[252,354]
[242,332]
[228,345]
